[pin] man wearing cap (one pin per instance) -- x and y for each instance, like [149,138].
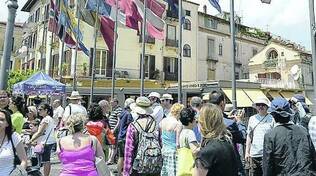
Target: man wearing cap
[302,113]
[74,106]
[258,126]
[166,103]
[158,114]
[288,149]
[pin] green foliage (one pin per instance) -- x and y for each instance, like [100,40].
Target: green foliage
[18,76]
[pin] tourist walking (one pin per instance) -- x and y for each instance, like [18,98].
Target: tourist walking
[11,146]
[196,104]
[142,135]
[288,149]
[44,137]
[17,106]
[58,112]
[217,155]
[258,126]
[170,129]
[158,114]
[166,103]
[5,100]
[74,106]
[114,122]
[77,151]
[126,118]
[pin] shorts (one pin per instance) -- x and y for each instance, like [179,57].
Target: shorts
[47,151]
[121,148]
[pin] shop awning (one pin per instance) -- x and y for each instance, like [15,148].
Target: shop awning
[274,94]
[242,99]
[287,94]
[254,94]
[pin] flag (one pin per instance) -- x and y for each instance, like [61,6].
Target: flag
[173,6]
[107,31]
[67,20]
[216,5]
[53,19]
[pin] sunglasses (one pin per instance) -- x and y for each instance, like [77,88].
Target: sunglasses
[261,104]
[40,109]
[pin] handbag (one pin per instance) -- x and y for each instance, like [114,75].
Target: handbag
[39,148]
[185,161]
[101,166]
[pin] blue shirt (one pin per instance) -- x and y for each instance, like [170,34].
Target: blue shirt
[126,118]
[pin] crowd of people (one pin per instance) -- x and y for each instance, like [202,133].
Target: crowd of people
[153,136]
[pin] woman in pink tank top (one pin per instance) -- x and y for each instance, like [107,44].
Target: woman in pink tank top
[76,151]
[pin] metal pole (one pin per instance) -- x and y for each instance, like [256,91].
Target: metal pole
[313,31]
[51,55]
[232,37]
[143,52]
[62,55]
[42,47]
[114,50]
[74,84]
[5,62]
[180,54]
[94,52]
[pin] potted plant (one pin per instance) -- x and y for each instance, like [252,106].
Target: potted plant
[85,68]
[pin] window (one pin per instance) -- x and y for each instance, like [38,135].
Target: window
[237,48]
[149,66]
[273,54]
[210,23]
[170,68]
[171,36]
[186,50]
[210,47]
[282,53]
[34,40]
[37,14]
[187,24]
[246,75]
[220,49]
[237,75]
[46,13]
[12,49]
[187,13]
[100,62]
[254,51]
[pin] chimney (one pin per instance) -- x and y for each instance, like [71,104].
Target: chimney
[205,9]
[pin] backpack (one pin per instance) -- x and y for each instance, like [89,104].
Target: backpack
[148,158]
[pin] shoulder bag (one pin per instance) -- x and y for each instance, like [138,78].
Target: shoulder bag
[39,148]
[101,166]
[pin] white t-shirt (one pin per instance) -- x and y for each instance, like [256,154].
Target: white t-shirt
[75,108]
[157,112]
[186,137]
[7,155]
[48,131]
[58,112]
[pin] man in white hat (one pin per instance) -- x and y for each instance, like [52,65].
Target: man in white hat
[74,106]
[158,114]
[258,126]
[166,103]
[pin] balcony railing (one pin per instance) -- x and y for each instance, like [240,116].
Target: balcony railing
[148,39]
[278,83]
[270,63]
[171,42]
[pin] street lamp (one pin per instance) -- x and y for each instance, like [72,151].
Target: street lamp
[266,1]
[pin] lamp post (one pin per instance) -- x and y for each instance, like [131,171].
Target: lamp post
[313,31]
[5,61]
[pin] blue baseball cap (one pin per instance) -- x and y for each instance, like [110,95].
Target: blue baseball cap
[281,106]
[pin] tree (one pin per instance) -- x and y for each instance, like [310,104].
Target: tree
[18,76]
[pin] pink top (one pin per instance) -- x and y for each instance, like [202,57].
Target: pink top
[78,163]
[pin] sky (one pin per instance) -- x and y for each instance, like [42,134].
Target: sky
[286,18]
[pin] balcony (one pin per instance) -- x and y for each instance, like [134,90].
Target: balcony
[171,42]
[148,39]
[278,83]
[212,58]
[171,14]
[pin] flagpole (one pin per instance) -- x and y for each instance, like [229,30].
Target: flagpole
[232,36]
[114,50]
[62,51]
[94,52]
[180,54]
[74,88]
[143,52]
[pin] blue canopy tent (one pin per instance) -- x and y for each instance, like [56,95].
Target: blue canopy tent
[39,84]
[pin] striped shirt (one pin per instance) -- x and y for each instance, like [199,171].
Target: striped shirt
[113,119]
[260,125]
